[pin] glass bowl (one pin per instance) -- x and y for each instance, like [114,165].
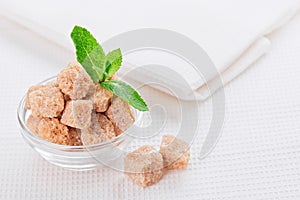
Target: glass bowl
[74,157]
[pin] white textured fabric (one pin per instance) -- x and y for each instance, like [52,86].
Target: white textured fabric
[244,25]
[257,157]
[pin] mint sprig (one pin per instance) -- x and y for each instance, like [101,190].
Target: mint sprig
[101,67]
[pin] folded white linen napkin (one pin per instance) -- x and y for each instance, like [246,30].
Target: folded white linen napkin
[232,32]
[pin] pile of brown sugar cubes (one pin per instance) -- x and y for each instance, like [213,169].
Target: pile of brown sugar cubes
[146,166]
[72,110]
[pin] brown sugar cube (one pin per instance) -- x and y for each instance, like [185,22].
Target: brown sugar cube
[114,77]
[77,113]
[144,166]
[36,87]
[100,130]
[31,89]
[120,114]
[175,152]
[74,136]
[66,98]
[101,98]
[53,83]
[46,101]
[32,123]
[52,130]
[75,82]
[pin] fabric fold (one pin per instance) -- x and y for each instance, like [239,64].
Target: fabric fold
[232,32]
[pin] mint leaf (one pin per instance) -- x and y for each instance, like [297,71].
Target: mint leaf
[89,53]
[113,62]
[127,93]
[100,67]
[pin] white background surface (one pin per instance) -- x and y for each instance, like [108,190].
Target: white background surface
[217,26]
[257,157]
